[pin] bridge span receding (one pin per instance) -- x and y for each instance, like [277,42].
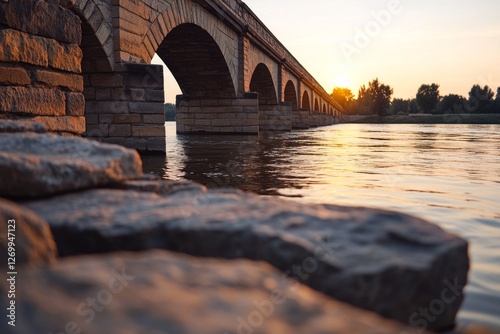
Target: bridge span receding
[234,74]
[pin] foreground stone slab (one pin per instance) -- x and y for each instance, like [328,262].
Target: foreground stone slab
[9,126]
[390,263]
[34,165]
[160,292]
[28,234]
[160,187]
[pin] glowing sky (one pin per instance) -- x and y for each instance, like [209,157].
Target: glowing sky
[455,43]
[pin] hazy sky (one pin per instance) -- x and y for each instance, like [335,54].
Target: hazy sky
[405,43]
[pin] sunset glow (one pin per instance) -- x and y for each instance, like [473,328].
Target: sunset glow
[403,43]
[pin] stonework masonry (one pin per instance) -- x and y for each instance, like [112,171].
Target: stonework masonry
[82,67]
[40,65]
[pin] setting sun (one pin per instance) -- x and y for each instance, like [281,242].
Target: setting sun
[342,81]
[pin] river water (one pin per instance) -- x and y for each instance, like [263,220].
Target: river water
[447,174]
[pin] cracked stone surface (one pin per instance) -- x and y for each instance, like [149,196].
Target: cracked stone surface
[386,262]
[30,237]
[160,292]
[34,165]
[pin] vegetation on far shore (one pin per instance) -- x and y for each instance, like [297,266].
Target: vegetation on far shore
[375,105]
[426,119]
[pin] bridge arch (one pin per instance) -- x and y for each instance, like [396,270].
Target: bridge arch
[176,16]
[262,83]
[306,101]
[291,95]
[324,109]
[196,62]
[316,105]
[97,34]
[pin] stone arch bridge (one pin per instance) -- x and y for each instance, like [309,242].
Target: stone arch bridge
[235,75]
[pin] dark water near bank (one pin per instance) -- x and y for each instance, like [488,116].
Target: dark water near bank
[448,174]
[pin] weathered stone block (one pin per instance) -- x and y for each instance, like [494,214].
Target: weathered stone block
[146,108]
[140,144]
[144,76]
[19,126]
[73,164]
[221,122]
[148,131]
[120,130]
[155,95]
[226,115]
[44,19]
[72,82]
[91,119]
[33,239]
[128,94]
[126,119]
[251,129]
[33,101]
[202,122]
[242,122]
[97,131]
[69,124]
[157,144]
[114,107]
[227,298]
[383,261]
[153,119]
[67,57]
[106,80]
[17,46]
[103,94]
[75,104]
[15,76]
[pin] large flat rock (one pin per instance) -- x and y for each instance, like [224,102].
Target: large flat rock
[34,165]
[160,292]
[25,236]
[11,126]
[390,263]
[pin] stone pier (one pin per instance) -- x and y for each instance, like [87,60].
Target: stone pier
[275,117]
[239,115]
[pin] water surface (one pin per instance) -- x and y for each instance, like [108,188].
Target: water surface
[448,174]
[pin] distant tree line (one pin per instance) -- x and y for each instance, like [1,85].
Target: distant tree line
[170,112]
[376,99]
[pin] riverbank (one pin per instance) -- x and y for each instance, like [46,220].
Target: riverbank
[425,119]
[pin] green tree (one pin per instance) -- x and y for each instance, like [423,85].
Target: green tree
[452,104]
[497,101]
[342,95]
[374,99]
[480,100]
[428,97]
[400,107]
[414,108]
[170,112]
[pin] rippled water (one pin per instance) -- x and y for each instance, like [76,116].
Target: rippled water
[448,174]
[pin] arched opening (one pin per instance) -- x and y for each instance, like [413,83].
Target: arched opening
[291,95]
[262,83]
[97,51]
[324,109]
[306,101]
[316,105]
[197,63]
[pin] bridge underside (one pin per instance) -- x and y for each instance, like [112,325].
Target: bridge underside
[234,75]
